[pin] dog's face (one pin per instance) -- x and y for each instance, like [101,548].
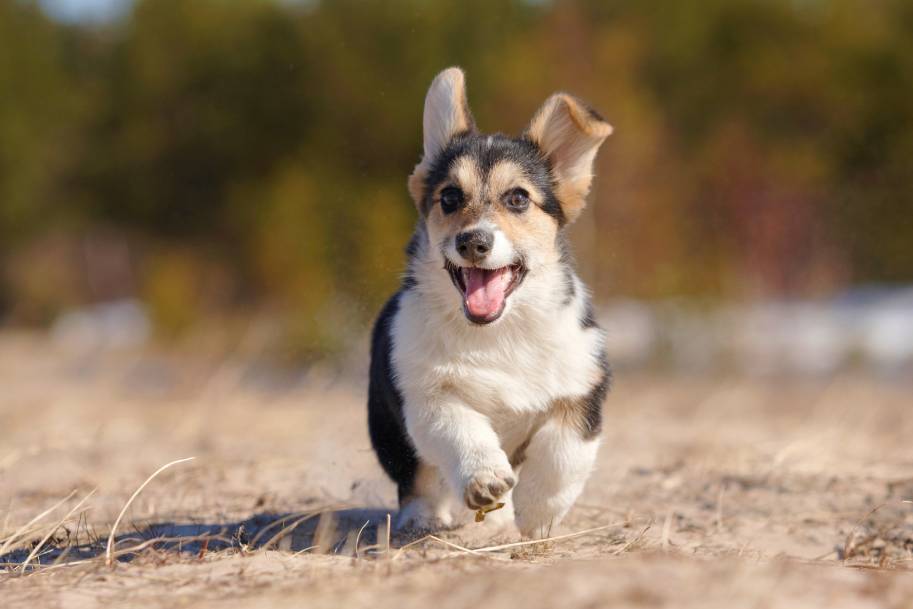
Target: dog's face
[493,206]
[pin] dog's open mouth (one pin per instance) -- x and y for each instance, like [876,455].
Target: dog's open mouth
[485,291]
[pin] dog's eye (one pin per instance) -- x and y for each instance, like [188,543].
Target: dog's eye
[516,200]
[451,199]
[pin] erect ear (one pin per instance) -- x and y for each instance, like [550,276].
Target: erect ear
[446,115]
[569,134]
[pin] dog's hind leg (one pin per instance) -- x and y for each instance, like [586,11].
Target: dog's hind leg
[558,462]
[427,506]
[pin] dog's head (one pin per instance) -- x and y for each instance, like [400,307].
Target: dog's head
[493,206]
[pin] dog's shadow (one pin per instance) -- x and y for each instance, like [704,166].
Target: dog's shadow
[348,532]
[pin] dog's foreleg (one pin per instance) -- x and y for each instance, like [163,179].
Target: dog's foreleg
[558,462]
[461,442]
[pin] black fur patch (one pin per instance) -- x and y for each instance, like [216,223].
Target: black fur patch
[521,151]
[412,249]
[589,316]
[583,413]
[569,290]
[567,261]
[592,402]
[413,246]
[386,424]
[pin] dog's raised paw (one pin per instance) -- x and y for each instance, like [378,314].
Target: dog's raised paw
[485,488]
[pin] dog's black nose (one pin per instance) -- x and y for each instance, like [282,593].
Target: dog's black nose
[474,245]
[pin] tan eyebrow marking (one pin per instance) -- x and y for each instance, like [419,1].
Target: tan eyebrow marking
[506,175]
[465,173]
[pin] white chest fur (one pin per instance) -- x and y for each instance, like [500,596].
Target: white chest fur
[510,371]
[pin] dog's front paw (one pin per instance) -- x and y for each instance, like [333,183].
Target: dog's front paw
[486,487]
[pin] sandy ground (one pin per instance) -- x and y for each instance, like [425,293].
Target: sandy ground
[721,492]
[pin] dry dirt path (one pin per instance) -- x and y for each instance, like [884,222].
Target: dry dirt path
[716,493]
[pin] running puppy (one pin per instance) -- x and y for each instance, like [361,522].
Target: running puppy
[488,371]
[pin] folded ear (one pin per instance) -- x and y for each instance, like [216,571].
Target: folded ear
[569,134]
[446,115]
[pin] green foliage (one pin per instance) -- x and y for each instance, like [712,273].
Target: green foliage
[762,147]
[34,121]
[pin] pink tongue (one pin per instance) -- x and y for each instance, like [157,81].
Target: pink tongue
[485,290]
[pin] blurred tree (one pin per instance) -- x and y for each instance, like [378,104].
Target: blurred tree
[762,146]
[34,113]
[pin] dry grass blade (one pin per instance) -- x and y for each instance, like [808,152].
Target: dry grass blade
[21,531]
[508,546]
[298,516]
[158,540]
[409,545]
[255,540]
[325,534]
[531,542]
[358,537]
[387,533]
[851,538]
[52,567]
[109,549]
[636,539]
[450,544]
[290,527]
[665,540]
[44,539]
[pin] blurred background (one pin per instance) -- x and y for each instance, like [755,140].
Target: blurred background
[231,175]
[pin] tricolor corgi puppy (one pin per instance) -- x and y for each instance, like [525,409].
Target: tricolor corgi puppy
[488,370]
